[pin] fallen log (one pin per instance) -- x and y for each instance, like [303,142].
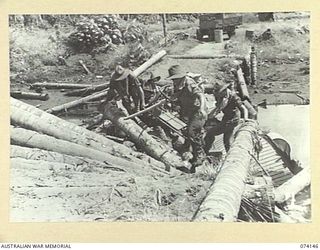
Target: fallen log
[66,106]
[87,91]
[224,197]
[152,147]
[80,163]
[30,117]
[29,138]
[138,71]
[85,67]
[242,86]
[283,217]
[253,66]
[29,95]
[54,85]
[197,57]
[50,156]
[152,60]
[186,56]
[293,186]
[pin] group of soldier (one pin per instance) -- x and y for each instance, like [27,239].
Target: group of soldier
[187,97]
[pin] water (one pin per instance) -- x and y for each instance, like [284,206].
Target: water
[293,123]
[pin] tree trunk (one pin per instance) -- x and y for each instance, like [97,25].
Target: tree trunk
[50,156]
[29,95]
[224,197]
[81,163]
[30,117]
[138,71]
[152,147]
[293,186]
[87,91]
[164,20]
[244,93]
[283,217]
[253,66]
[198,56]
[54,85]
[66,106]
[29,138]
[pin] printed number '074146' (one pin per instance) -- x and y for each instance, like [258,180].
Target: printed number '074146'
[309,246]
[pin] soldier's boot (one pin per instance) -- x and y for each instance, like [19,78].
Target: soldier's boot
[198,159]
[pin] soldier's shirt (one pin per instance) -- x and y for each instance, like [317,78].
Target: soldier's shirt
[232,109]
[188,98]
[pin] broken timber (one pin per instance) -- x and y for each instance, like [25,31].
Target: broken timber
[53,85]
[224,197]
[29,138]
[293,186]
[29,95]
[30,117]
[78,162]
[86,91]
[85,67]
[152,147]
[242,85]
[186,56]
[66,106]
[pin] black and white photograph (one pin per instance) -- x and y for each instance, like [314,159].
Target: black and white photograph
[160,117]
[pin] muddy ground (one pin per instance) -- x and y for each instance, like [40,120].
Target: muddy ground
[140,195]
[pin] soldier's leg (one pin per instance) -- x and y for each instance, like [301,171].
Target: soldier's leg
[196,134]
[228,132]
[128,106]
[211,132]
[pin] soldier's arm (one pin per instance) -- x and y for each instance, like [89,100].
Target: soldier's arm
[140,91]
[111,94]
[244,111]
[141,95]
[202,101]
[241,107]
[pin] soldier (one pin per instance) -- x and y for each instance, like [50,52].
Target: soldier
[231,105]
[125,86]
[191,101]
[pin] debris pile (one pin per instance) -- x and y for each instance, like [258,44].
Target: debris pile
[102,31]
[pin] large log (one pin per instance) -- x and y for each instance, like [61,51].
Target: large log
[224,197]
[87,91]
[58,85]
[66,106]
[218,56]
[30,117]
[198,56]
[253,66]
[293,186]
[50,156]
[244,93]
[138,71]
[152,147]
[155,58]
[29,95]
[81,163]
[29,138]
